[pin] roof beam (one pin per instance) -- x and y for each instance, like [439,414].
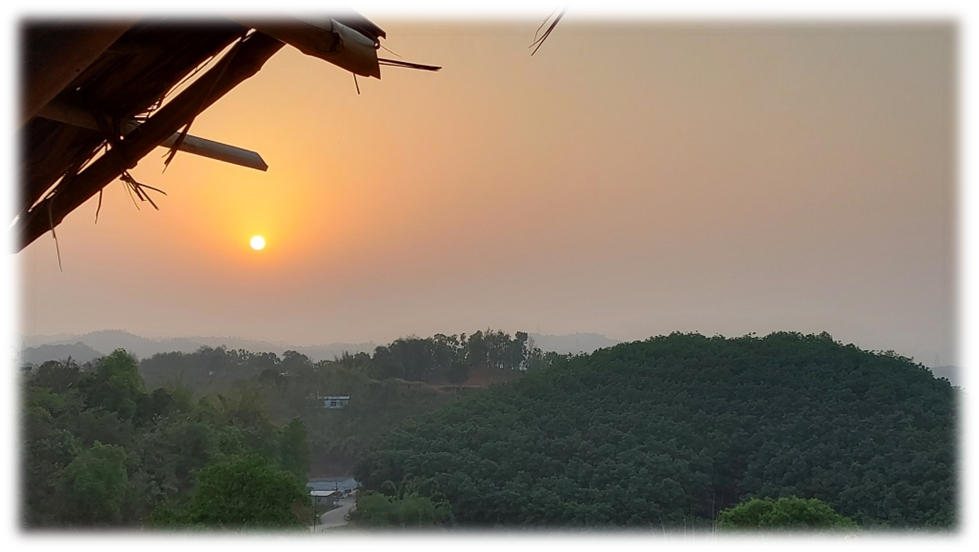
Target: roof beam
[76,116]
[54,56]
[243,61]
[326,39]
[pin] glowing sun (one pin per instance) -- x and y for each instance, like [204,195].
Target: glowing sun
[258,243]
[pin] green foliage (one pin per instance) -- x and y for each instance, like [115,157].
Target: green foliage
[94,423]
[407,519]
[245,493]
[46,453]
[654,434]
[452,358]
[669,431]
[153,406]
[208,370]
[791,513]
[98,451]
[386,386]
[115,385]
[294,450]
[94,486]
[59,377]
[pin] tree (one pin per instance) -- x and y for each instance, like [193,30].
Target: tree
[294,451]
[294,362]
[115,385]
[790,513]
[676,428]
[47,450]
[56,376]
[152,406]
[245,493]
[385,364]
[408,509]
[94,485]
[477,350]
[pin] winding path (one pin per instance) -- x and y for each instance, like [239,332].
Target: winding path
[334,518]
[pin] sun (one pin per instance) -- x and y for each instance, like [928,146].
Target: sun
[258,243]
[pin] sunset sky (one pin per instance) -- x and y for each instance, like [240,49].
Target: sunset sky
[630,179]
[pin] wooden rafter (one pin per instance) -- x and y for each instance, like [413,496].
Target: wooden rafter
[59,55]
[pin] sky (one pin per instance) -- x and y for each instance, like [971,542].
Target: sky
[630,179]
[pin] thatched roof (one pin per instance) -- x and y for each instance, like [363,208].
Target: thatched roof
[98,96]
[89,90]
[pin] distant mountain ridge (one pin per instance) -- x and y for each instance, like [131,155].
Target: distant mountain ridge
[573,343]
[78,352]
[43,348]
[83,348]
[952,373]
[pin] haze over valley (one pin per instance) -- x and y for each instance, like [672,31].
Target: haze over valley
[659,275]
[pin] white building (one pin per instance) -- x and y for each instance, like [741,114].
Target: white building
[325,498]
[335,401]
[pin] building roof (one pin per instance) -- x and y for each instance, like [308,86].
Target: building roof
[97,96]
[329,484]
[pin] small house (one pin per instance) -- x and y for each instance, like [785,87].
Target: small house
[325,498]
[335,401]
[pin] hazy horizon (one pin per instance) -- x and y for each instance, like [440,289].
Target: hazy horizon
[65,337]
[52,338]
[628,180]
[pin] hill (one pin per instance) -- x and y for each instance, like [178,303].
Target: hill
[78,352]
[952,373]
[288,388]
[669,431]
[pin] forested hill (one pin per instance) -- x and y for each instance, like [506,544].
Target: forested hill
[669,431]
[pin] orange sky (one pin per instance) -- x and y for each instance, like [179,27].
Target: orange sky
[627,180]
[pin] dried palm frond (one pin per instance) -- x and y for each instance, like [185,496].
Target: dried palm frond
[407,64]
[176,145]
[390,50]
[540,41]
[99,208]
[57,247]
[132,186]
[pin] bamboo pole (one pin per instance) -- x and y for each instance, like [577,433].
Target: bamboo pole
[236,66]
[55,55]
[76,116]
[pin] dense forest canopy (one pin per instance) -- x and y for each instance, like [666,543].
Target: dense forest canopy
[440,359]
[114,442]
[663,433]
[672,430]
[101,451]
[404,378]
